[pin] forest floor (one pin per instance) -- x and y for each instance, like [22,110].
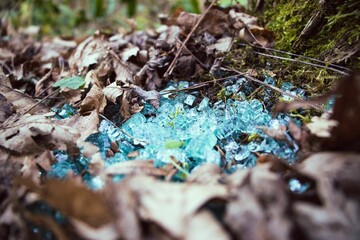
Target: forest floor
[197,129]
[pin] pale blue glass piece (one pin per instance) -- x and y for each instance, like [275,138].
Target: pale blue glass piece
[189,100]
[262,119]
[164,155]
[125,147]
[183,84]
[224,130]
[243,154]
[203,104]
[166,93]
[270,80]
[60,169]
[95,183]
[330,103]
[136,120]
[297,187]
[213,156]
[286,86]
[113,133]
[256,106]
[199,146]
[118,157]
[148,109]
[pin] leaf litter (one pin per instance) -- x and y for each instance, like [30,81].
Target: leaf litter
[65,175]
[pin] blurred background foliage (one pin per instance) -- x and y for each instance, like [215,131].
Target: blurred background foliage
[76,17]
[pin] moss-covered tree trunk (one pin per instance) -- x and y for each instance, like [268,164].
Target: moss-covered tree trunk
[325,29]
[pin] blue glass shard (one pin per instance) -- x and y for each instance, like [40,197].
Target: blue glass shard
[256,106]
[297,187]
[164,155]
[286,86]
[60,169]
[65,112]
[189,100]
[198,147]
[204,104]
[270,80]
[136,120]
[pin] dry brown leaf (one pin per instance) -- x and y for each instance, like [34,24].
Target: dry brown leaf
[21,102]
[170,205]
[94,100]
[346,135]
[96,52]
[321,126]
[205,220]
[222,45]
[73,200]
[153,97]
[337,181]
[205,174]
[35,133]
[125,207]
[135,167]
[258,208]
[6,109]
[129,52]
[113,92]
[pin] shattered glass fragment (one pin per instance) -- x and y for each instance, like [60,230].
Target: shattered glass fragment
[298,187]
[203,104]
[190,99]
[65,112]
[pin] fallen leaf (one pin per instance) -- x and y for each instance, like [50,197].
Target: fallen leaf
[153,97]
[170,205]
[35,133]
[94,100]
[113,92]
[135,167]
[68,197]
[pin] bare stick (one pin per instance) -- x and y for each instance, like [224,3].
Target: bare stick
[182,44]
[297,55]
[127,134]
[272,87]
[199,85]
[300,61]
[40,101]
[170,68]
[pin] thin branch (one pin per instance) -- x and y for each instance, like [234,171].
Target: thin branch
[127,134]
[170,68]
[40,102]
[199,85]
[297,55]
[272,87]
[182,44]
[300,61]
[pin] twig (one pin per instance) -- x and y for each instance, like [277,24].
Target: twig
[127,134]
[170,68]
[272,87]
[177,166]
[296,55]
[300,61]
[182,44]
[43,99]
[200,85]
[44,78]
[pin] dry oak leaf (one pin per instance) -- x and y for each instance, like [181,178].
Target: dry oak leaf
[170,205]
[338,185]
[73,199]
[35,133]
[94,100]
[258,206]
